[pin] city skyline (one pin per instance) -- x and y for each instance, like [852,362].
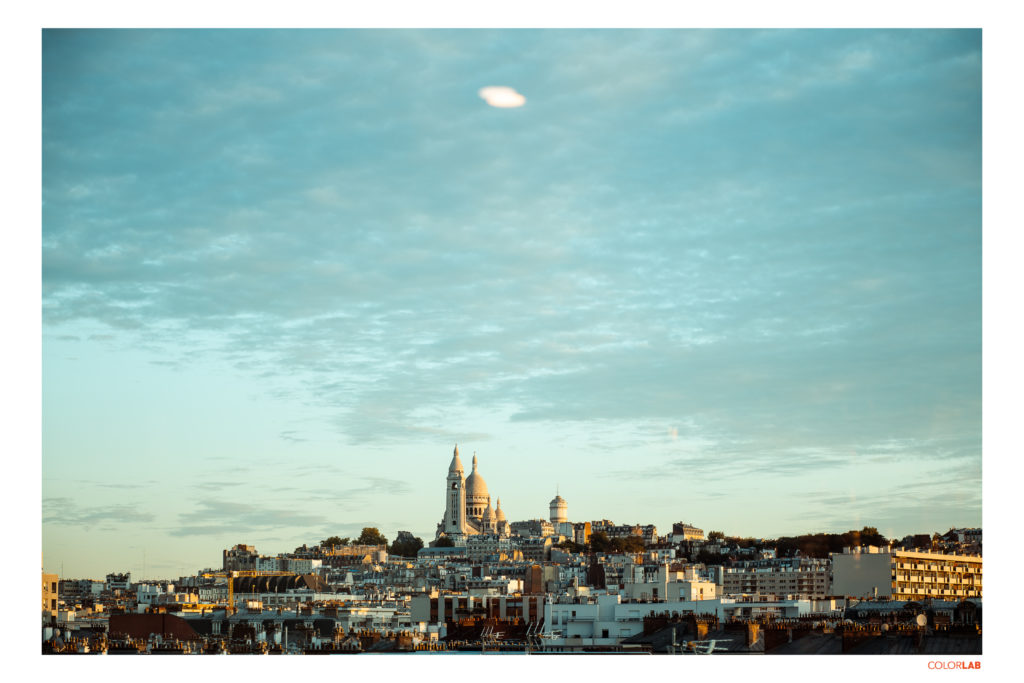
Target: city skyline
[731,278]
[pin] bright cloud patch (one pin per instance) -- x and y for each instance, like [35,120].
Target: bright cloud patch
[501,96]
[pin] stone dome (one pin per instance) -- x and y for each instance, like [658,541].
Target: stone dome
[499,515]
[476,487]
[489,513]
[456,465]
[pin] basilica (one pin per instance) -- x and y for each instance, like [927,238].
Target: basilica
[468,510]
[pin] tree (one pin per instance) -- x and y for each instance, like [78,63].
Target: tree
[406,545]
[709,558]
[634,544]
[716,536]
[444,542]
[921,541]
[332,541]
[628,544]
[371,536]
[570,546]
[867,536]
[599,542]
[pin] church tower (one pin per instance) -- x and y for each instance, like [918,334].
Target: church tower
[455,498]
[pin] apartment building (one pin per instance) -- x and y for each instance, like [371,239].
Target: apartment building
[905,574]
[658,583]
[50,593]
[118,582]
[533,528]
[440,607]
[480,547]
[807,577]
[686,532]
[605,619]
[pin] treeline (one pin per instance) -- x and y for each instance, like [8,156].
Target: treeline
[600,543]
[405,545]
[820,545]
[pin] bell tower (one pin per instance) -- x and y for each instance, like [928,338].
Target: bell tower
[455,497]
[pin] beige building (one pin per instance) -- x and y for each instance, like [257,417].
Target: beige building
[804,577]
[468,509]
[905,574]
[485,546]
[50,593]
[686,532]
[670,585]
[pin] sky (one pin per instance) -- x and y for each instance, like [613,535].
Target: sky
[731,278]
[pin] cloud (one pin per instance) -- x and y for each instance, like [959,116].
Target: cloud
[63,511]
[501,96]
[290,436]
[770,239]
[218,485]
[222,517]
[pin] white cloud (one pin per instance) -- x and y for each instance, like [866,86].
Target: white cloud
[501,96]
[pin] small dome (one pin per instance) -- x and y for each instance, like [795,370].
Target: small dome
[456,465]
[558,500]
[476,487]
[488,513]
[499,515]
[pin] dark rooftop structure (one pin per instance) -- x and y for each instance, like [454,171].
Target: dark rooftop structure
[280,584]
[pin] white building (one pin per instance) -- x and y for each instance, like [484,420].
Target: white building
[266,563]
[468,508]
[121,582]
[301,565]
[666,585]
[559,510]
[605,620]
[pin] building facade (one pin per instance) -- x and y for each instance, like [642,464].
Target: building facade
[905,574]
[468,510]
[805,577]
[50,593]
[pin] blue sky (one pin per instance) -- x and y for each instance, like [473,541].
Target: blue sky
[726,277]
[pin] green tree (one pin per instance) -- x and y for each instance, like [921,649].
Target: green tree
[570,546]
[599,542]
[629,544]
[716,536]
[331,541]
[406,545]
[371,536]
[705,557]
[444,542]
[921,541]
